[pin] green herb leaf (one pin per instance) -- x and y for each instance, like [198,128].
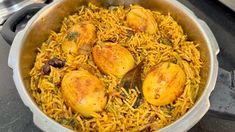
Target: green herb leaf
[72,36]
[63,121]
[166,41]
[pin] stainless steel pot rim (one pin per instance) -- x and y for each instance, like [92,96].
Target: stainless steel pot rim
[182,124]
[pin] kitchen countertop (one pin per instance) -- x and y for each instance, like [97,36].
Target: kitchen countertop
[15,117]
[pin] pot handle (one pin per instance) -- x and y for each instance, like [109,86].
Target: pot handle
[9,27]
[222,98]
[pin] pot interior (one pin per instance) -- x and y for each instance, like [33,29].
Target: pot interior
[51,19]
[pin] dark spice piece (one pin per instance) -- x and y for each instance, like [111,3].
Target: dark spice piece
[39,90]
[46,69]
[55,62]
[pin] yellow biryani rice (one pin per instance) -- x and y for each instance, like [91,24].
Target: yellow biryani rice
[118,115]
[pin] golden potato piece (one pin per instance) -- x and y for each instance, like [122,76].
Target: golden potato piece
[83,92]
[113,59]
[164,83]
[79,36]
[141,19]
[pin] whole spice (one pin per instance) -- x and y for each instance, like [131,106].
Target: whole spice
[46,69]
[55,62]
[132,80]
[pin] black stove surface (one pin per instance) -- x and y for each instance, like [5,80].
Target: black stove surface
[15,117]
[221,20]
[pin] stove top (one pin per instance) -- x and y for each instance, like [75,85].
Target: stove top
[16,117]
[8,7]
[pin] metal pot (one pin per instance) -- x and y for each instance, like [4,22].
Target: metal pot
[37,30]
[8,7]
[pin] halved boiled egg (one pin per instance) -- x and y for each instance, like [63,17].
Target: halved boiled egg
[164,83]
[113,59]
[83,92]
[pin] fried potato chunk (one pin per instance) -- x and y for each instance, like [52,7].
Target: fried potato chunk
[83,92]
[164,83]
[113,59]
[141,19]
